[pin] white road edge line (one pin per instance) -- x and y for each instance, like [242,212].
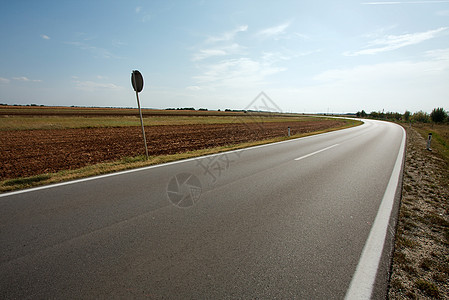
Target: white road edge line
[316,152]
[362,282]
[6,194]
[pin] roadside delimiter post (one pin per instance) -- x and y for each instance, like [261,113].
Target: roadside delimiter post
[137,82]
[429,139]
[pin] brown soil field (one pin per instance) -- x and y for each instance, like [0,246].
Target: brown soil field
[32,152]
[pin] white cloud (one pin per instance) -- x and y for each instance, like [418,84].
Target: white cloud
[443,13]
[26,79]
[227,36]
[439,54]
[273,31]
[45,37]
[237,73]
[4,80]
[405,2]
[91,86]
[393,42]
[193,88]
[222,63]
[206,53]
[380,32]
[217,51]
[274,57]
[138,9]
[395,86]
[301,35]
[118,43]
[220,45]
[97,51]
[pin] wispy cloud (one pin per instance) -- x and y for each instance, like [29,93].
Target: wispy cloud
[235,73]
[26,79]
[4,80]
[97,51]
[395,86]
[223,63]
[117,43]
[218,51]
[220,45]
[45,37]
[275,57]
[227,36]
[91,86]
[144,16]
[206,53]
[380,32]
[393,42]
[301,35]
[439,54]
[443,13]
[405,2]
[193,88]
[274,31]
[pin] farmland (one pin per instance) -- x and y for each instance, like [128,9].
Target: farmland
[28,117]
[44,140]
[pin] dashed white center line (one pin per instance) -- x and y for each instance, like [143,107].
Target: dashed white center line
[316,152]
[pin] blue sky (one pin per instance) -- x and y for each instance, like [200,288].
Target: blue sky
[307,56]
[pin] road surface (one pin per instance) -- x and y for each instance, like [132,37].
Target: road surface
[309,218]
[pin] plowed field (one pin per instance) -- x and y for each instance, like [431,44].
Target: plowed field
[32,152]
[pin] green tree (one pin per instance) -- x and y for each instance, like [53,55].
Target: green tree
[361,114]
[374,115]
[438,115]
[407,116]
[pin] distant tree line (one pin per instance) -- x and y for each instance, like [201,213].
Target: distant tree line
[438,115]
[183,108]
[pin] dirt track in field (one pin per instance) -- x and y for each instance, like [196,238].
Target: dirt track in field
[33,152]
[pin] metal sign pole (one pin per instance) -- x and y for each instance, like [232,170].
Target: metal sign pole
[141,119]
[141,123]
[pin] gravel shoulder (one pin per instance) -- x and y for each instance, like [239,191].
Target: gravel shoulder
[420,268]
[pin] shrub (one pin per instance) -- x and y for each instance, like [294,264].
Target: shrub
[421,116]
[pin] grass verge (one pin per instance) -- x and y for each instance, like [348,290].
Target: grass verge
[420,268]
[440,139]
[140,161]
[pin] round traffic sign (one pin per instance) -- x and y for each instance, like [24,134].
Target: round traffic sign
[137,81]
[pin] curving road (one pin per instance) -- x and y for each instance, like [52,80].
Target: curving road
[310,218]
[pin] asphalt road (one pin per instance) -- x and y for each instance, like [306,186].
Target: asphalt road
[281,221]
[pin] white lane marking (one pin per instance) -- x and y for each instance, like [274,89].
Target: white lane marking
[362,282]
[316,152]
[176,162]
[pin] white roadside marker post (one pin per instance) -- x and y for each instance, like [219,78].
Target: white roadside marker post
[137,82]
[429,139]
